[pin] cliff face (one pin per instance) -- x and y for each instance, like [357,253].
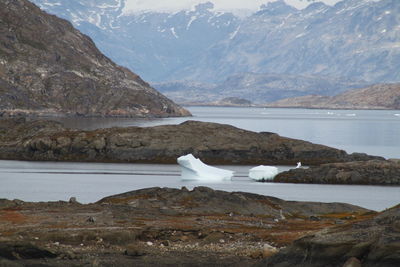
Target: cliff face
[47,67]
[380,96]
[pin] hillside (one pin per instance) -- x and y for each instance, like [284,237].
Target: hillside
[258,88]
[380,96]
[49,68]
[352,44]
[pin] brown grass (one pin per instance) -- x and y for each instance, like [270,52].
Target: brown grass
[12,216]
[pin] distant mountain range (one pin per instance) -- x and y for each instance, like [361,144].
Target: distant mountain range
[49,68]
[348,45]
[380,96]
[255,87]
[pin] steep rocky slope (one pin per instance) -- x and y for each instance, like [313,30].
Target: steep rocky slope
[49,68]
[211,142]
[380,96]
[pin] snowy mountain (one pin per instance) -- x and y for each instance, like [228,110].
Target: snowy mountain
[354,40]
[357,39]
[152,44]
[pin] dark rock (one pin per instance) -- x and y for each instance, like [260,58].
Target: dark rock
[21,250]
[212,143]
[315,218]
[91,219]
[373,240]
[49,68]
[8,263]
[373,172]
[213,238]
[73,200]
[352,262]
[134,250]
[165,243]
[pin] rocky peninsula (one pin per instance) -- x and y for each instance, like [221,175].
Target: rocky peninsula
[164,226]
[372,172]
[22,139]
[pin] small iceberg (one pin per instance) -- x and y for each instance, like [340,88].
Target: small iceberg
[194,169]
[263,173]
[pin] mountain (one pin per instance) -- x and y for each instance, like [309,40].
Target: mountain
[380,96]
[256,87]
[354,40]
[152,44]
[49,68]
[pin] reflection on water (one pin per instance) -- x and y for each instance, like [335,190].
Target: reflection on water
[89,182]
[375,132]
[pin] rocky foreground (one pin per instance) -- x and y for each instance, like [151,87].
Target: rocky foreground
[202,227]
[22,139]
[367,243]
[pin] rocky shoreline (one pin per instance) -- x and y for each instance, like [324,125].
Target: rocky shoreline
[372,172]
[22,139]
[164,226]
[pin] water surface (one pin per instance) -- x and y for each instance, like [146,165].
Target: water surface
[89,182]
[376,132]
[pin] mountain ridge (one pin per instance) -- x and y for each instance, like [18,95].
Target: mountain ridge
[353,40]
[379,96]
[49,68]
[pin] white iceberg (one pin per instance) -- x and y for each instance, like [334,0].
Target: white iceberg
[263,173]
[194,169]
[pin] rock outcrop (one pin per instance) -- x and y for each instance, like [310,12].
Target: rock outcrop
[212,143]
[374,242]
[373,172]
[160,226]
[380,96]
[203,200]
[49,68]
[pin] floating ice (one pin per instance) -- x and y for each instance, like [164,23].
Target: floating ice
[194,169]
[263,173]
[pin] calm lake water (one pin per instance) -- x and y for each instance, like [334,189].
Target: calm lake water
[89,182]
[372,132]
[376,132]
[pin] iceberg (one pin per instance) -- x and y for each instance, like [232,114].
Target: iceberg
[194,169]
[263,173]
